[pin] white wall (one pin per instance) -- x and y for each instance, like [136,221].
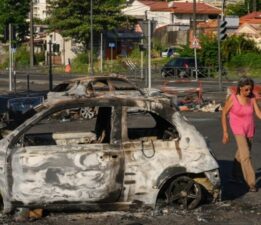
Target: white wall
[162,18]
[136,9]
[65,47]
[39,9]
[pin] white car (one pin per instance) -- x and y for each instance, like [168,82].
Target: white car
[167,52]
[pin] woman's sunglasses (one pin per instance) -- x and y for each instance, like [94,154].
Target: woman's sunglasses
[246,89]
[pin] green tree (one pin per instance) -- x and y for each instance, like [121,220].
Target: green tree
[209,50]
[72,18]
[16,13]
[236,45]
[238,9]
[242,8]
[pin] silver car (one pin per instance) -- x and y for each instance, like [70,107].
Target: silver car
[119,158]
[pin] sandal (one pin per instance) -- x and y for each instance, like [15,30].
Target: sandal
[253,189]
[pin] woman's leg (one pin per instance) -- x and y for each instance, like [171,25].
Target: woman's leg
[243,156]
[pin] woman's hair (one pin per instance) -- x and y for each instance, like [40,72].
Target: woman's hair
[243,81]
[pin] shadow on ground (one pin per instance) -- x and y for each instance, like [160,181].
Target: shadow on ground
[231,190]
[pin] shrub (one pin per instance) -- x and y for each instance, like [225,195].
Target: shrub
[22,57]
[250,59]
[39,57]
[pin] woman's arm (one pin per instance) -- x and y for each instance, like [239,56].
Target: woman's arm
[256,108]
[225,111]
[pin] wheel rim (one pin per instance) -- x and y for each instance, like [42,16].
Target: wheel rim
[87,112]
[184,193]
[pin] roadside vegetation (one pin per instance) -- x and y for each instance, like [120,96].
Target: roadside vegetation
[239,54]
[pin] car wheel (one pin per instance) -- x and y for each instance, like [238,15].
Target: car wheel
[184,193]
[87,112]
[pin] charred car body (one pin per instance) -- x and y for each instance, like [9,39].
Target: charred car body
[93,86]
[119,156]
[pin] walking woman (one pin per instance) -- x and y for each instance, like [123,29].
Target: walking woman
[241,108]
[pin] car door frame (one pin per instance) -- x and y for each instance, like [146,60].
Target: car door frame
[112,150]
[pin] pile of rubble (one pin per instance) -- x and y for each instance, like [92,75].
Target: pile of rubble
[206,106]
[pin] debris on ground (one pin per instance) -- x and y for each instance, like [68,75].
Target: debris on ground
[207,106]
[188,95]
[211,107]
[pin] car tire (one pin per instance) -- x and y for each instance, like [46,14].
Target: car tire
[184,193]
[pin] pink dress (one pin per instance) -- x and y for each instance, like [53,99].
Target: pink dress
[241,118]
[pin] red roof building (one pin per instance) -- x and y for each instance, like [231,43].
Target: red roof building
[252,18]
[181,7]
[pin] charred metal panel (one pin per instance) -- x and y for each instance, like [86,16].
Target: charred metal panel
[144,164]
[75,173]
[196,154]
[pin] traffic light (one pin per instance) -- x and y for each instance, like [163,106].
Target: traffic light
[5,35]
[222,30]
[56,47]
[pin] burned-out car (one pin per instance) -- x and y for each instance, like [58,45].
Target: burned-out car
[116,159]
[93,86]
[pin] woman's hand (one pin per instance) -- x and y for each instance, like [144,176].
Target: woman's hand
[225,139]
[256,108]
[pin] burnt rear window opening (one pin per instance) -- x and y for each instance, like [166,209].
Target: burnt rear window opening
[67,127]
[122,85]
[144,124]
[61,87]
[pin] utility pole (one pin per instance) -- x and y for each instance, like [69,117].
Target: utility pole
[219,58]
[31,36]
[149,56]
[220,20]
[10,56]
[195,36]
[101,53]
[50,64]
[142,60]
[91,39]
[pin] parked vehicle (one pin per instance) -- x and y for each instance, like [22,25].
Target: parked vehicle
[168,52]
[118,158]
[182,67]
[15,107]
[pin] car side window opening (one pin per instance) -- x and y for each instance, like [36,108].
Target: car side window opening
[145,124]
[100,86]
[67,127]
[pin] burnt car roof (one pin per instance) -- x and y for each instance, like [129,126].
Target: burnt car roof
[93,78]
[122,99]
[87,81]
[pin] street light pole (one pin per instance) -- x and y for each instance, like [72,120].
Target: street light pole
[10,56]
[50,65]
[31,36]
[149,56]
[91,39]
[220,19]
[195,36]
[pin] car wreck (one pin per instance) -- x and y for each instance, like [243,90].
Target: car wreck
[136,150]
[93,86]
